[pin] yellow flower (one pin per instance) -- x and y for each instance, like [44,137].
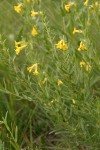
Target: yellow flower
[35,67]
[97,4]
[30,68]
[34,32]
[86,3]
[44,81]
[76,31]
[68,6]
[88,68]
[20,46]
[86,65]
[62,45]
[59,82]
[36,70]
[92,9]
[28,1]
[36,73]
[82,47]
[74,102]
[18,8]
[82,63]
[34,13]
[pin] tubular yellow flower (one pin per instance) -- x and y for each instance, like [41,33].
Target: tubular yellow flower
[62,45]
[86,3]
[82,47]
[34,13]
[34,32]
[20,46]
[28,1]
[18,50]
[76,31]
[18,8]
[88,68]
[92,9]
[97,4]
[74,102]
[36,73]
[82,63]
[86,65]
[59,82]
[35,67]
[30,68]
[44,81]
[68,7]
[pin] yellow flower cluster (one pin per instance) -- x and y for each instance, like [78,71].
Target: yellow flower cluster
[19,7]
[20,46]
[86,65]
[62,45]
[35,67]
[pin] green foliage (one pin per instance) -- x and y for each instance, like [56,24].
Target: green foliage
[59,107]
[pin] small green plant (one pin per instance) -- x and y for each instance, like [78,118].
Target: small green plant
[12,137]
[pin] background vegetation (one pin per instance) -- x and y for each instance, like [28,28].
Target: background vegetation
[35,112]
